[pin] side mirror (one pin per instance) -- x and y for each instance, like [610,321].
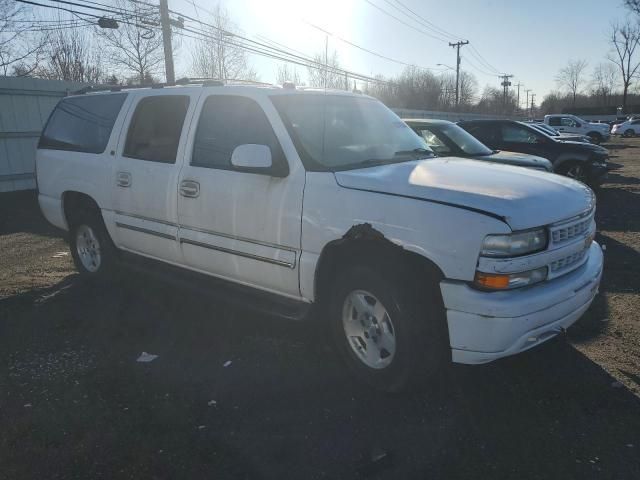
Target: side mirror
[578,125]
[256,158]
[251,156]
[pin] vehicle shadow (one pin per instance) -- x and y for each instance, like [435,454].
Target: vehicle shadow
[238,395]
[20,212]
[621,265]
[618,210]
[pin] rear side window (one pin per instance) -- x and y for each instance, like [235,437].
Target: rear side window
[226,122]
[155,129]
[82,124]
[555,121]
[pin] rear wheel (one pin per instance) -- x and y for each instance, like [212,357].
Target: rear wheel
[91,247]
[576,170]
[389,336]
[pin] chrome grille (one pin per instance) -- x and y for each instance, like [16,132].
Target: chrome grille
[568,261]
[567,233]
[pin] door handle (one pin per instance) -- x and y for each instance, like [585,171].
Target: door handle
[189,188]
[123,179]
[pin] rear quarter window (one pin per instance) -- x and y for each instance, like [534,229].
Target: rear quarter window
[82,124]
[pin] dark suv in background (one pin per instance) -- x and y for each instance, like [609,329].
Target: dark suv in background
[581,161]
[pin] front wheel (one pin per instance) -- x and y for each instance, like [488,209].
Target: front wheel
[630,133]
[595,137]
[389,336]
[576,170]
[91,248]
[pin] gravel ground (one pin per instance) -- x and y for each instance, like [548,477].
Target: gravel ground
[74,403]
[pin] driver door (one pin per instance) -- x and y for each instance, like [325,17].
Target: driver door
[238,224]
[518,138]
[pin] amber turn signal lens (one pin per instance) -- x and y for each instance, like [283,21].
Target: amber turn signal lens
[492,280]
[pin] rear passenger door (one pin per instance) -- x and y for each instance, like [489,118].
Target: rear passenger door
[241,225]
[145,174]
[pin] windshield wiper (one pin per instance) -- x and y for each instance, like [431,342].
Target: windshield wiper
[418,152]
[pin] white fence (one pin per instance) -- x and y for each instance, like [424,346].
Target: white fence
[25,105]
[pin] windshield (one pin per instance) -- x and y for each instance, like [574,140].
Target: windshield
[465,141]
[338,132]
[545,129]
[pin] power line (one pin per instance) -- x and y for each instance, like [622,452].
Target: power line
[419,30]
[426,22]
[359,47]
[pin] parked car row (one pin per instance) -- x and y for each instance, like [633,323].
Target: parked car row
[323,205]
[514,143]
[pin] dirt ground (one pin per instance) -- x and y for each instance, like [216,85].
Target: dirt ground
[74,403]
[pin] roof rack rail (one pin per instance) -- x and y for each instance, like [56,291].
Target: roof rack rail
[116,88]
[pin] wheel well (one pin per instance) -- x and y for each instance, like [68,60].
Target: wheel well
[363,245]
[594,133]
[76,204]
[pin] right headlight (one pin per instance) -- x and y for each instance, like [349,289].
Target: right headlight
[515,244]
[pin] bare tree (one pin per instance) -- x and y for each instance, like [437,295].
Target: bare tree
[571,77]
[633,5]
[132,48]
[329,75]
[19,47]
[287,73]
[71,55]
[468,89]
[603,81]
[217,55]
[625,39]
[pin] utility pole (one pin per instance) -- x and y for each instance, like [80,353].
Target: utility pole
[166,40]
[526,104]
[505,92]
[457,46]
[533,100]
[518,86]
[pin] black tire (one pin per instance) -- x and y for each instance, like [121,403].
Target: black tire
[574,169]
[419,328]
[595,137]
[630,133]
[87,227]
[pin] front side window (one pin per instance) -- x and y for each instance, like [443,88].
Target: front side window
[226,122]
[516,134]
[568,122]
[156,126]
[339,132]
[83,123]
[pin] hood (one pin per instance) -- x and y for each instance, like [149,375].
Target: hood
[590,147]
[523,198]
[519,159]
[600,126]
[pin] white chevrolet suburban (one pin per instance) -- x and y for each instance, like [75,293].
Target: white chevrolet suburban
[325,202]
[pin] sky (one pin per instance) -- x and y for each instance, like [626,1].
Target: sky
[531,40]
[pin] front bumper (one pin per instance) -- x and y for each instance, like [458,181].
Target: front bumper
[485,326]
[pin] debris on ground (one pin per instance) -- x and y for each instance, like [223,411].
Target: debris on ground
[60,254]
[212,403]
[375,461]
[616,384]
[227,363]
[146,357]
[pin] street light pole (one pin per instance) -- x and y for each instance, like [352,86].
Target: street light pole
[166,41]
